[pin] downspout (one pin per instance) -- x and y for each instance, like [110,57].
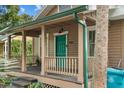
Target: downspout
[85,49]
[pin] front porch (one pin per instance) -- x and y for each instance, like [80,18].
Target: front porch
[67,63]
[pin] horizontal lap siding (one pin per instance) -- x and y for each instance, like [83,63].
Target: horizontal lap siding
[53,11]
[72,39]
[114,45]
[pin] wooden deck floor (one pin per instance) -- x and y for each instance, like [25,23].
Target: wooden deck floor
[51,78]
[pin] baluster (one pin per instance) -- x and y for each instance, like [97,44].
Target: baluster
[51,64]
[75,66]
[57,65]
[64,66]
[72,66]
[48,63]
[69,66]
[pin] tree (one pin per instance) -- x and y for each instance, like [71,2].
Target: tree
[24,18]
[9,16]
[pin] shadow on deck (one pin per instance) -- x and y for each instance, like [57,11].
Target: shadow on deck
[36,70]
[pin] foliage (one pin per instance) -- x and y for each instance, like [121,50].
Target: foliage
[9,16]
[16,48]
[36,85]
[5,81]
[2,70]
[29,47]
[25,18]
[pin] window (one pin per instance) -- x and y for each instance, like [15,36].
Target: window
[64,7]
[91,42]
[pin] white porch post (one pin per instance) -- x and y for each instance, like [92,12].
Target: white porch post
[33,50]
[80,53]
[5,50]
[23,67]
[42,50]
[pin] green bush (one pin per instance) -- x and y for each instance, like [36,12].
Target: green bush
[6,81]
[16,48]
[2,70]
[36,85]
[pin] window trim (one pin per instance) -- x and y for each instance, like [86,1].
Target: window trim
[91,28]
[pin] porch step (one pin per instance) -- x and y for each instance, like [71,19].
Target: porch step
[22,82]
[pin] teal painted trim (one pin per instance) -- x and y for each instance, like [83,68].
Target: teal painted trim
[51,17]
[85,48]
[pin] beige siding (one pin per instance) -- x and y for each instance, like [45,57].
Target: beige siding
[114,46]
[53,11]
[72,39]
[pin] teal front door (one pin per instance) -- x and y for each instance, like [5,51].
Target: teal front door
[60,49]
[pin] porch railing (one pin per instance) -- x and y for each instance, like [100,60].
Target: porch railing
[32,60]
[62,65]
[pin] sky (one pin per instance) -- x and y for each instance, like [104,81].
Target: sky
[30,9]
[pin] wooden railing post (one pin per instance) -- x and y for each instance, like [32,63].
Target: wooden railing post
[23,68]
[33,61]
[43,50]
[80,53]
[9,47]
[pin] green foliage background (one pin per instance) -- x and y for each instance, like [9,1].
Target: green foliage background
[16,48]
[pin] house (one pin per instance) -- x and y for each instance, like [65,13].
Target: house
[58,43]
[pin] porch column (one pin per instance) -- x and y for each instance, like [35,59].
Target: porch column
[9,47]
[23,68]
[80,53]
[33,49]
[5,50]
[42,50]
[101,46]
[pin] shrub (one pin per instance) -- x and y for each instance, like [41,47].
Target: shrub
[36,85]
[5,81]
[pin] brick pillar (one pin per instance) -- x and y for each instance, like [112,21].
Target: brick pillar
[101,46]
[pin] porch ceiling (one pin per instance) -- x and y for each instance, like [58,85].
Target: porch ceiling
[89,22]
[32,32]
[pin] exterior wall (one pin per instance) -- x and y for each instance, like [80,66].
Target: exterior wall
[53,11]
[72,39]
[37,46]
[115,42]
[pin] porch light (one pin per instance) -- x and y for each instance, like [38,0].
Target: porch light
[61,30]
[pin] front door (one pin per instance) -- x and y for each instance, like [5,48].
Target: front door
[60,49]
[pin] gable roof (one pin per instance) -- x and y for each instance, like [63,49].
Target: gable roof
[43,11]
[47,18]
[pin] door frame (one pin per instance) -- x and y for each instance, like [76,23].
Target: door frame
[60,34]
